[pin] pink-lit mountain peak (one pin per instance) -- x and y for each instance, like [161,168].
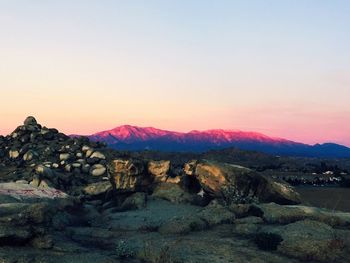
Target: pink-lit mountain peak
[129,137]
[135,133]
[129,132]
[232,135]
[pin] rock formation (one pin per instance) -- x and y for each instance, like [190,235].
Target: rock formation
[68,199]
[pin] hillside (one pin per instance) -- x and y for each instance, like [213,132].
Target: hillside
[137,139]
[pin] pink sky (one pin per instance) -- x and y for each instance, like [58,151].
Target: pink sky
[283,70]
[311,127]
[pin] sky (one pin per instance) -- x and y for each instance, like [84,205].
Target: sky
[277,67]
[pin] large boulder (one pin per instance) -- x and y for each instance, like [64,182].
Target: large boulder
[159,169]
[276,214]
[129,175]
[309,240]
[27,192]
[237,184]
[26,213]
[215,214]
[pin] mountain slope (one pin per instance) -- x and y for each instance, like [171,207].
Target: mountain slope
[129,137]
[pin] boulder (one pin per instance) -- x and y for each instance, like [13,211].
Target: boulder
[309,240]
[98,170]
[241,210]
[29,155]
[96,189]
[129,175]
[216,214]
[248,226]
[86,168]
[13,154]
[85,148]
[276,214]
[30,121]
[98,155]
[182,225]
[159,169]
[173,193]
[44,171]
[29,192]
[64,156]
[237,184]
[89,152]
[135,201]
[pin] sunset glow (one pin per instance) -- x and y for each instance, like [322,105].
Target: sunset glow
[178,65]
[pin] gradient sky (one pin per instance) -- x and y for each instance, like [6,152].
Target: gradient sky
[277,67]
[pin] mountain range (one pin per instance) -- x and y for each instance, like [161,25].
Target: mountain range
[135,138]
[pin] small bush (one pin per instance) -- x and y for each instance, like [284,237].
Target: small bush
[336,243]
[232,195]
[148,228]
[267,241]
[123,250]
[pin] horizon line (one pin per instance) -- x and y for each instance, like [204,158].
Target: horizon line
[197,130]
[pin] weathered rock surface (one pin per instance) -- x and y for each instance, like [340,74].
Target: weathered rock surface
[25,192]
[36,154]
[273,213]
[159,169]
[309,240]
[66,199]
[135,201]
[99,188]
[239,184]
[129,176]
[173,193]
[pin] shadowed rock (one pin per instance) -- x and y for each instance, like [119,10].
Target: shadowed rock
[239,184]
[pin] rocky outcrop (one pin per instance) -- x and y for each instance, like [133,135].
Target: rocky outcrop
[159,169]
[277,214]
[237,184]
[45,156]
[173,193]
[309,240]
[68,199]
[99,188]
[129,175]
[27,213]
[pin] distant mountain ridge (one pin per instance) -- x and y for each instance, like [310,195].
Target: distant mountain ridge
[134,138]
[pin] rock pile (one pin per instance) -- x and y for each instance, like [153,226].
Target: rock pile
[44,156]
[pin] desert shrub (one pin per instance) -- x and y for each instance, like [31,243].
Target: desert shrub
[123,250]
[232,195]
[336,243]
[160,255]
[148,228]
[267,241]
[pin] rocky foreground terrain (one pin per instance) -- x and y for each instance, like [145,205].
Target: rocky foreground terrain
[68,199]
